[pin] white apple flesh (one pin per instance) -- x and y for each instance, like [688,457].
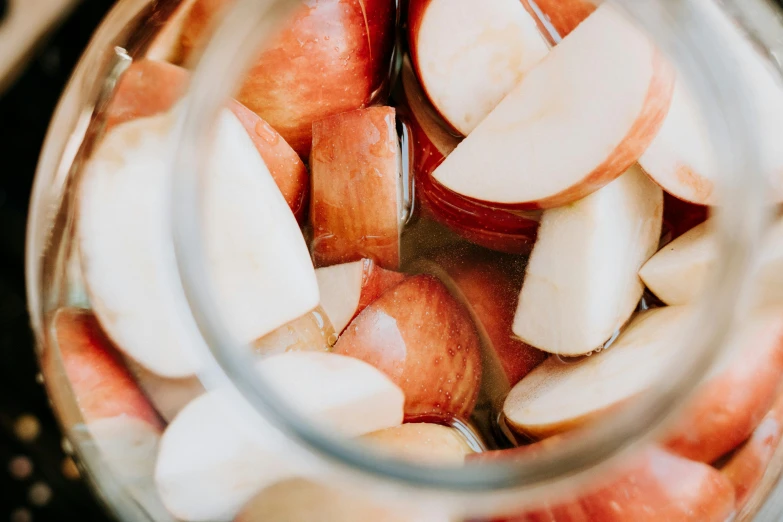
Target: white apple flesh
[218,453]
[558,396]
[257,258]
[577,120]
[468,56]
[581,284]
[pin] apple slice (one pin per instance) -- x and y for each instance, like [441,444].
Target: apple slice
[424,340]
[334,56]
[422,443]
[300,500]
[261,269]
[469,56]
[429,142]
[560,395]
[681,158]
[118,419]
[168,395]
[678,273]
[747,467]
[349,288]
[357,208]
[581,283]
[652,486]
[601,95]
[218,453]
[564,15]
[736,396]
[311,332]
[488,284]
[149,87]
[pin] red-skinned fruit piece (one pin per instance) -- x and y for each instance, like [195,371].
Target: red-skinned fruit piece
[425,341]
[356,204]
[333,56]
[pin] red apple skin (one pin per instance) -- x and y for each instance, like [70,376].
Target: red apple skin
[424,340]
[375,282]
[146,88]
[102,385]
[653,486]
[680,216]
[490,285]
[150,87]
[354,209]
[430,141]
[333,57]
[565,15]
[746,468]
[727,409]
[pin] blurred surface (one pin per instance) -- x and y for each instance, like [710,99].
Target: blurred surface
[37,481]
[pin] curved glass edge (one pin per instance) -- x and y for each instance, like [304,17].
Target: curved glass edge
[740,222]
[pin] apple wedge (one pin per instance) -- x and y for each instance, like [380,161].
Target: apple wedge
[421,443]
[561,395]
[429,142]
[349,288]
[736,396]
[300,500]
[682,159]
[468,56]
[333,56]
[425,341]
[261,270]
[678,273]
[747,467]
[564,15]
[169,396]
[218,453]
[581,283]
[488,285]
[651,486]
[150,87]
[601,95]
[357,208]
[118,420]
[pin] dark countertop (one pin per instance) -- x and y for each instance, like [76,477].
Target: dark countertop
[34,473]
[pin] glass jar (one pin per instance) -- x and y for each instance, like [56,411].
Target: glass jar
[519,310]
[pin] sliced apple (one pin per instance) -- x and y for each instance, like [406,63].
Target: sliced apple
[424,340]
[150,87]
[488,284]
[681,159]
[168,395]
[313,332]
[677,274]
[218,453]
[429,144]
[119,421]
[357,208]
[348,288]
[747,468]
[469,56]
[652,486]
[581,283]
[601,95]
[422,443]
[564,15]
[560,395]
[299,500]
[257,257]
[737,394]
[333,57]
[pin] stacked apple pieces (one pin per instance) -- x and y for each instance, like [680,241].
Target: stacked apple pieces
[555,185]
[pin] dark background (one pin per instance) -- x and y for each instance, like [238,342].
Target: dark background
[41,492]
